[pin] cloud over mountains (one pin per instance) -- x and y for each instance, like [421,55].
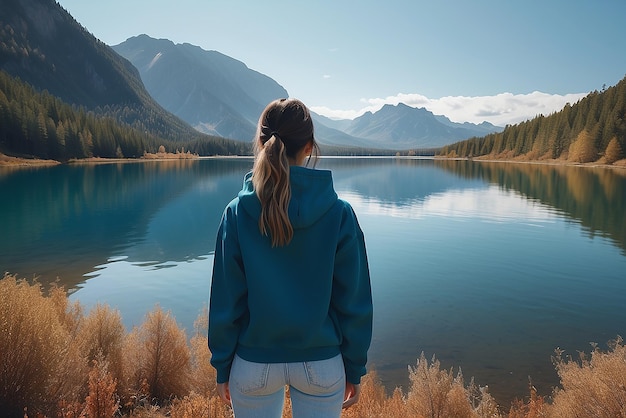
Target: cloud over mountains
[500,110]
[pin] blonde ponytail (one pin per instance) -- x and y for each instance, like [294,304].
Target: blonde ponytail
[271,183]
[285,128]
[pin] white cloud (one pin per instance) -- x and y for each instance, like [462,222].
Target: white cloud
[501,109]
[326,76]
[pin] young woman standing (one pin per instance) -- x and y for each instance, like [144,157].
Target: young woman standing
[290,301]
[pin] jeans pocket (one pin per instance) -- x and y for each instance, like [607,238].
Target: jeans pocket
[325,374]
[249,378]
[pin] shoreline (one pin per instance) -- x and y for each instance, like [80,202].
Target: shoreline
[619,165]
[7,161]
[10,161]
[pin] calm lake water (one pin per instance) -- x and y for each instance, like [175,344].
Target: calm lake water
[488,266]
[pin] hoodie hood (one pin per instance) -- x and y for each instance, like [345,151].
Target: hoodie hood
[312,195]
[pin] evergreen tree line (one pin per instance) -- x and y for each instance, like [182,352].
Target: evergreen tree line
[41,125]
[593,129]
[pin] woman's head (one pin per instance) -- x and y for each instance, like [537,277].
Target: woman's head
[288,120]
[284,137]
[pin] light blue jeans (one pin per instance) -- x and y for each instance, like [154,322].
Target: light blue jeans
[257,390]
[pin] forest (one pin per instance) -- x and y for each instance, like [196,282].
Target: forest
[591,130]
[38,124]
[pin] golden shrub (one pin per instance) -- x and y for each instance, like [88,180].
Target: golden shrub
[204,375]
[593,386]
[534,408]
[32,347]
[373,401]
[101,402]
[102,334]
[157,358]
[46,343]
[431,390]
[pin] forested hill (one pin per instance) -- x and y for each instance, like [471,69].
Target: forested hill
[37,124]
[594,129]
[45,47]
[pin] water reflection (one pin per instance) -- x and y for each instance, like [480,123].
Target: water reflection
[64,220]
[595,197]
[488,266]
[487,204]
[393,181]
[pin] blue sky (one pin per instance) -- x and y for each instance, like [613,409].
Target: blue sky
[501,61]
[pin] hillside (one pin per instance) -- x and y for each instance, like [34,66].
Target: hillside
[216,94]
[45,47]
[37,124]
[592,130]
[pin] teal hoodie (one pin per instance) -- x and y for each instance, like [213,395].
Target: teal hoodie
[305,301]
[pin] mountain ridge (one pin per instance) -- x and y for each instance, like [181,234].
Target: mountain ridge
[211,91]
[413,127]
[220,95]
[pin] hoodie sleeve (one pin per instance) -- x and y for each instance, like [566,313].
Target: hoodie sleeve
[227,304]
[352,297]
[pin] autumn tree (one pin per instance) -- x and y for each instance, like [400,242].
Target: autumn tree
[583,149]
[613,151]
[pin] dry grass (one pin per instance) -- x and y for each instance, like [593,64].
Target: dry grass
[57,362]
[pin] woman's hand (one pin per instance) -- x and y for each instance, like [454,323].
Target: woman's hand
[224,392]
[351,395]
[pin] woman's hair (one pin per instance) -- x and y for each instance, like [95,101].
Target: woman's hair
[284,129]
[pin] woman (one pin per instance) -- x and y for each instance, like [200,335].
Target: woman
[290,297]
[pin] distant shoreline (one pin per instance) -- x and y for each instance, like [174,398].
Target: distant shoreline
[621,164]
[9,161]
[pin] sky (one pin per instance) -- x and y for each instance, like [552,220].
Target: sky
[501,61]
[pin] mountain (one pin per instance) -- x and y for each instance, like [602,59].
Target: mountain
[402,126]
[211,91]
[338,124]
[45,47]
[326,135]
[214,93]
[220,95]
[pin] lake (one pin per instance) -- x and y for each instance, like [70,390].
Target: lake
[487,266]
